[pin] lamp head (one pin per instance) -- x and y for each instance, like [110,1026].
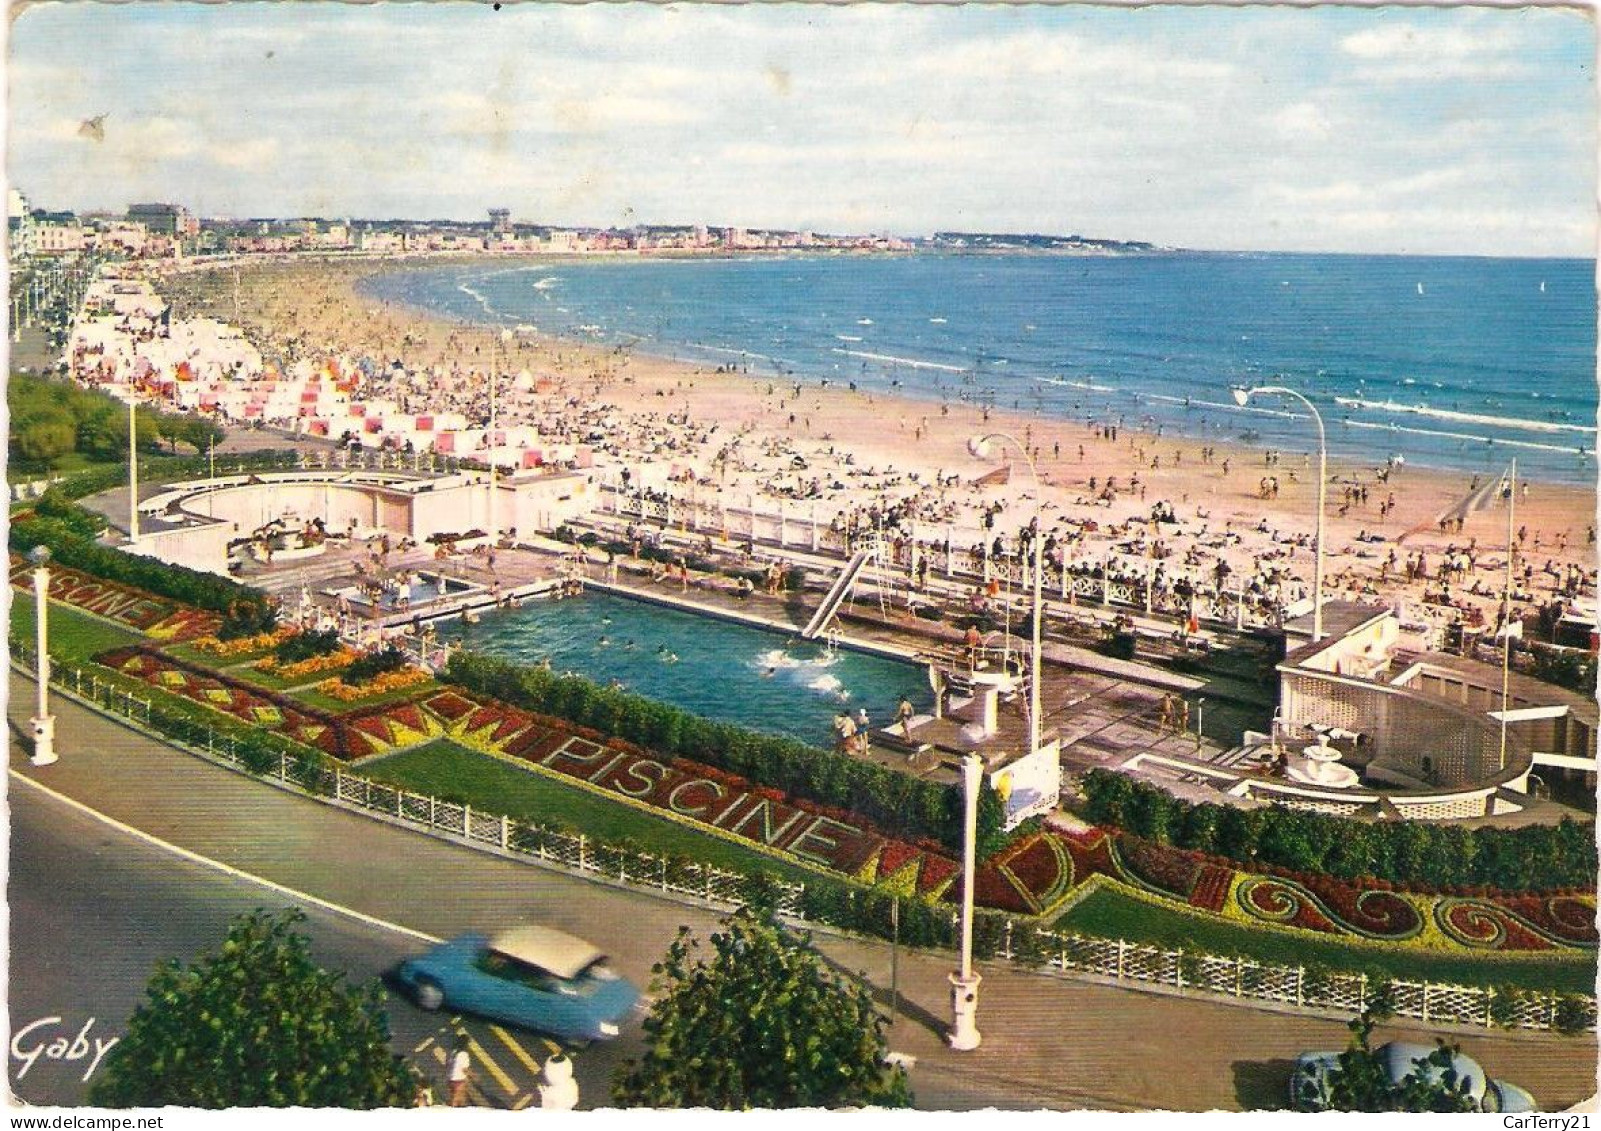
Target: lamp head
[39,556]
[1242,395]
[979,447]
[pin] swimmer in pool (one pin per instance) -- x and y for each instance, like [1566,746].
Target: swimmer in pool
[604,640]
[769,673]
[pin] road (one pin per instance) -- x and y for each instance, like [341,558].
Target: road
[1047,1041]
[72,876]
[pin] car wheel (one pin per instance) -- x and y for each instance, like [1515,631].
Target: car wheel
[429,996]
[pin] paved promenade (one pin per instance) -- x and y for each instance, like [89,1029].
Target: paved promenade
[1047,1041]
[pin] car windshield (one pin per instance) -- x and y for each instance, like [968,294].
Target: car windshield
[510,969]
[502,966]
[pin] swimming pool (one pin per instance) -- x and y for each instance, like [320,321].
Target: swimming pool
[716,668]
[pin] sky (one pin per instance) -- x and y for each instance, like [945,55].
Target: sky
[1400,130]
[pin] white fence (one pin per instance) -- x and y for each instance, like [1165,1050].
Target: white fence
[1017,942]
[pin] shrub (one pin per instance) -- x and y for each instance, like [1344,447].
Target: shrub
[1572,1015]
[373,664]
[1415,854]
[305,645]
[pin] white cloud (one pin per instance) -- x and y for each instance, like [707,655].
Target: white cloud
[1301,121]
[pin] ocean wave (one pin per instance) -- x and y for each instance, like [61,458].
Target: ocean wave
[1464,417]
[547,282]
[1472,438]
[1064,383]
[478,296]
[909,362]
[847,337]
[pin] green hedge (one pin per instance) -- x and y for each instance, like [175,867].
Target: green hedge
[71,549]
[1416,853]
[897,803]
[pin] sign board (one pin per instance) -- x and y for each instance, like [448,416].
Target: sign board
[1030,786]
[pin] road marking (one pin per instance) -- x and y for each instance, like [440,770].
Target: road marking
[439,1055]
[524,1102]
[227,869]
[422,1047]
[517,1050]
[555,1049]
[495,1070]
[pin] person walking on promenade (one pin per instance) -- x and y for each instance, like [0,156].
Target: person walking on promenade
[460,1071]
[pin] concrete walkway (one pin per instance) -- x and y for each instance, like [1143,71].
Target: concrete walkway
[1047,1041]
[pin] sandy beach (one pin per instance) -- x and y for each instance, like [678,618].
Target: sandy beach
[844,450]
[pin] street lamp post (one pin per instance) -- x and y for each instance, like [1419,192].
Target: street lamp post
[964,1035]
[133,471]
[1242,397]
[44,726]
[980,447]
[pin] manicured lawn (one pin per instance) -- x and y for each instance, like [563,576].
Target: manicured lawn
[74,635]
[1111,914]
[447,770]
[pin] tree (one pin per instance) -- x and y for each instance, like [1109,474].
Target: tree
[762,1023]
[1360,1081]
[44,438]
[257,1024]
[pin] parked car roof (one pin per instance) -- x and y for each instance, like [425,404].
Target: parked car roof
[549,949]
[1399,1059]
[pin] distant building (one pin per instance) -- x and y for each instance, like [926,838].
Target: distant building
[164,219]
[500,221]
[56,233]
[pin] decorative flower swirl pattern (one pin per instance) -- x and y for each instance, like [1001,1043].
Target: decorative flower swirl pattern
[1378,915]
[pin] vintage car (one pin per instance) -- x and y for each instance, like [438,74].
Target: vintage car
[532,977]
[1309,1082]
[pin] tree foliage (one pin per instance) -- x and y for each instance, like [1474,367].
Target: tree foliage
[51,417]
[762,1022]
[1359,1080]
[257,1024]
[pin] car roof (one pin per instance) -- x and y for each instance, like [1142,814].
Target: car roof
[549,949]
[1399,1058]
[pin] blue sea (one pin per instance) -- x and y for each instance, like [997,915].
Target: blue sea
[1457,363]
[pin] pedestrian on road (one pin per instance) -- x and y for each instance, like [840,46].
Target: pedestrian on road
[461,1063]
[558,1091]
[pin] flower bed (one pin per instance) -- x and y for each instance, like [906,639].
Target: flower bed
[1039,874]
[337,688]
[158,617]
[243,645]
[251,705]
[315,665]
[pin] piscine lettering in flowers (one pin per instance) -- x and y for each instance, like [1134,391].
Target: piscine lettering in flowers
[155,616]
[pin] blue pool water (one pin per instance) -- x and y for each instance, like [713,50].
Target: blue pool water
[1456,363]
[722,670]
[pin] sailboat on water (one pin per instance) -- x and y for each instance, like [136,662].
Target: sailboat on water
[1420,288]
